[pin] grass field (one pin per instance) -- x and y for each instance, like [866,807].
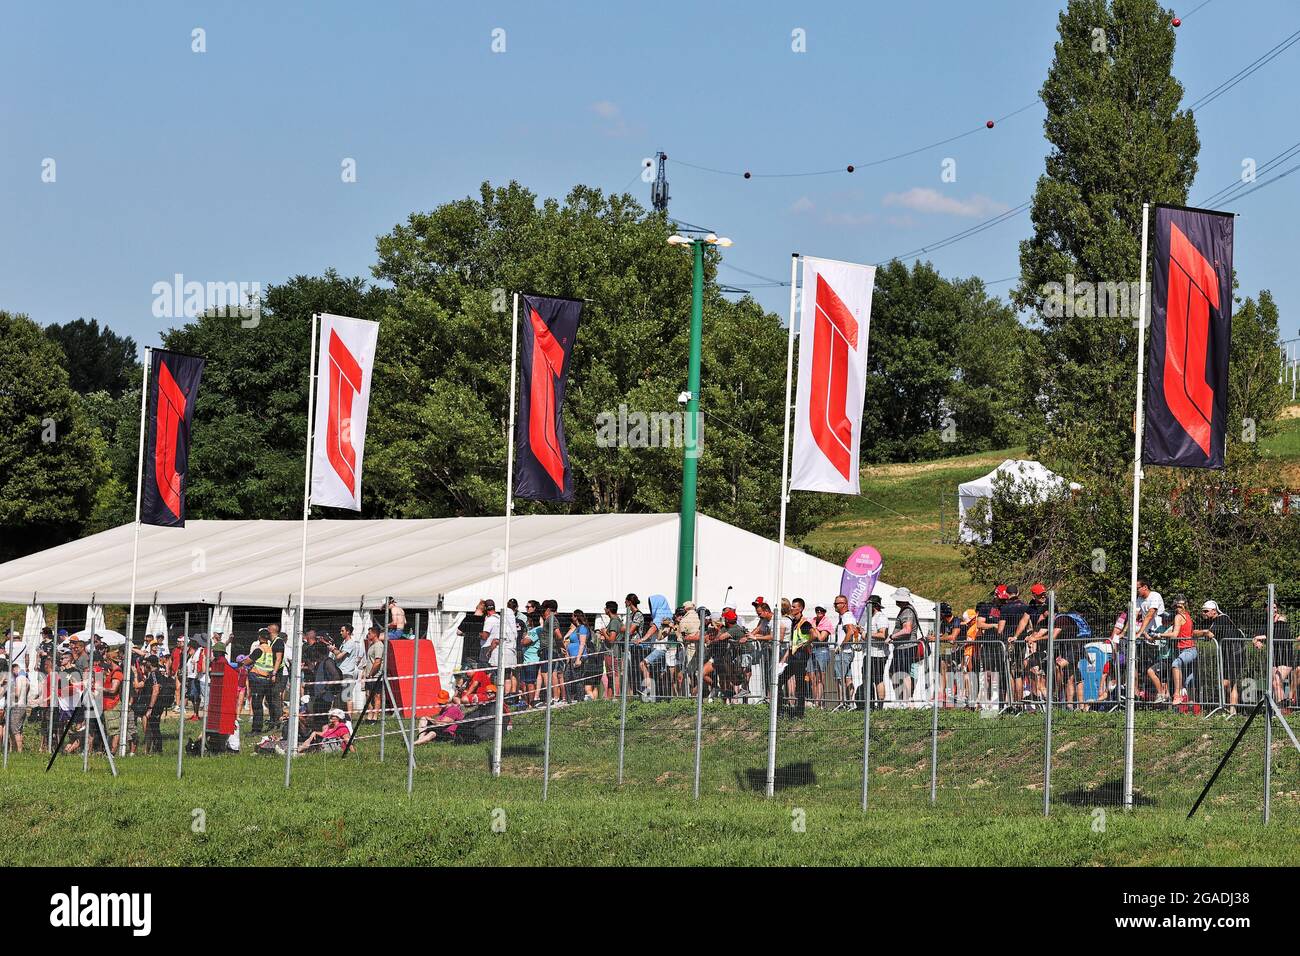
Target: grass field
[899,513]
[989,809]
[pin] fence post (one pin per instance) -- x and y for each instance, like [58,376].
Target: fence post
[549,624]
[204,684]
[1051,699]
[1129,683]
[9,680]
[622,687]
[180,698]
[415,705]
[1268,709]
[383,684]
[51,683]
[870,687]
[699,707]
[934,705]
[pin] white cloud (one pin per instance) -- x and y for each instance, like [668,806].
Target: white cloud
[848,218]
[927,200]
[605,109]
[802,204]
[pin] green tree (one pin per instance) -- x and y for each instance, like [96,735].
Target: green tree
[440,412]
[1255,396]
[945,367]
[1119,139]
[52,459]
[249,433]
[97,359]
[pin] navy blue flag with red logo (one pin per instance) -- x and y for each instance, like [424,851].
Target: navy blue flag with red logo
[1191,319]
[173,387]
[548,328]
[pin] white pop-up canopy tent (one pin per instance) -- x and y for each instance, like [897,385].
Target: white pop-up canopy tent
[580,560]
[1029,476]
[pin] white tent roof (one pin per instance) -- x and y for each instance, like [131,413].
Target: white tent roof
[580,560]
[1021,471]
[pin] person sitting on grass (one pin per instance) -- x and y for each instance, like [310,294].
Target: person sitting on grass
[443,723]
[329,738]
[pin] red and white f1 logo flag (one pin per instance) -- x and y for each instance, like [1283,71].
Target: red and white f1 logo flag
[833,324]
[345,361]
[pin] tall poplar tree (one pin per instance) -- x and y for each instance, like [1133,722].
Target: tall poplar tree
[1119,139]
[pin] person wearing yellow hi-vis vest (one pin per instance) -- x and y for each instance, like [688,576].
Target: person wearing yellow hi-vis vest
[265,676]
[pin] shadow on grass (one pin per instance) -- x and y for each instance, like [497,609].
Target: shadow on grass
[791,775]
[1109,794]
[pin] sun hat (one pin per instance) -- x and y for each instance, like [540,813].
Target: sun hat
[340,714]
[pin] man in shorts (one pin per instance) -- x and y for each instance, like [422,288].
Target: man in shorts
[842,634]
[947,641]
[1232,650]
[1015,631]
[1283,657]
[873,664]
[904,643]
[611,638]
[756,645]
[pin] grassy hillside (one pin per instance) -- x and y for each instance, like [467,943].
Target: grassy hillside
[233,809]
[899,513]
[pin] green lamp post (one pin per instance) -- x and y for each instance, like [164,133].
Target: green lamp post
[692,428]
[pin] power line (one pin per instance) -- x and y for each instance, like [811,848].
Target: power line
[1249,69]
[1224,194]
[852,167]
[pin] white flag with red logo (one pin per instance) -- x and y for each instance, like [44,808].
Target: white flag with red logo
[345,361]
[833,323]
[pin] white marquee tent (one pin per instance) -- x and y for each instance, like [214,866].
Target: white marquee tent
[1025,474]
[580,560]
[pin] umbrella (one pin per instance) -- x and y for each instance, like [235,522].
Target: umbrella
[110,638]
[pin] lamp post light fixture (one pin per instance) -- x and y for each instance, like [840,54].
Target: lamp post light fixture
[692,429]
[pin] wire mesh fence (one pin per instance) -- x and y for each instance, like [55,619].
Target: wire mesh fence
[953,714]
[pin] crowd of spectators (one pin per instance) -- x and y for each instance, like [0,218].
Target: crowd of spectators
[992,656]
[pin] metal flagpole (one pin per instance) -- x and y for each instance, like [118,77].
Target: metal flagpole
[1051,699]
[295,675]
[415,707]
[1268,721]
[135,553]
[780,554]
[1131,698]
[499,717]
[180,699]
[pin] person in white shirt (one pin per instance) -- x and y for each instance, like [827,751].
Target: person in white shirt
[1150,606]
[349,655]
[841,629]
[874,667]
[499,636]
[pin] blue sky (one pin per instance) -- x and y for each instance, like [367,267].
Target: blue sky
[226,165]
